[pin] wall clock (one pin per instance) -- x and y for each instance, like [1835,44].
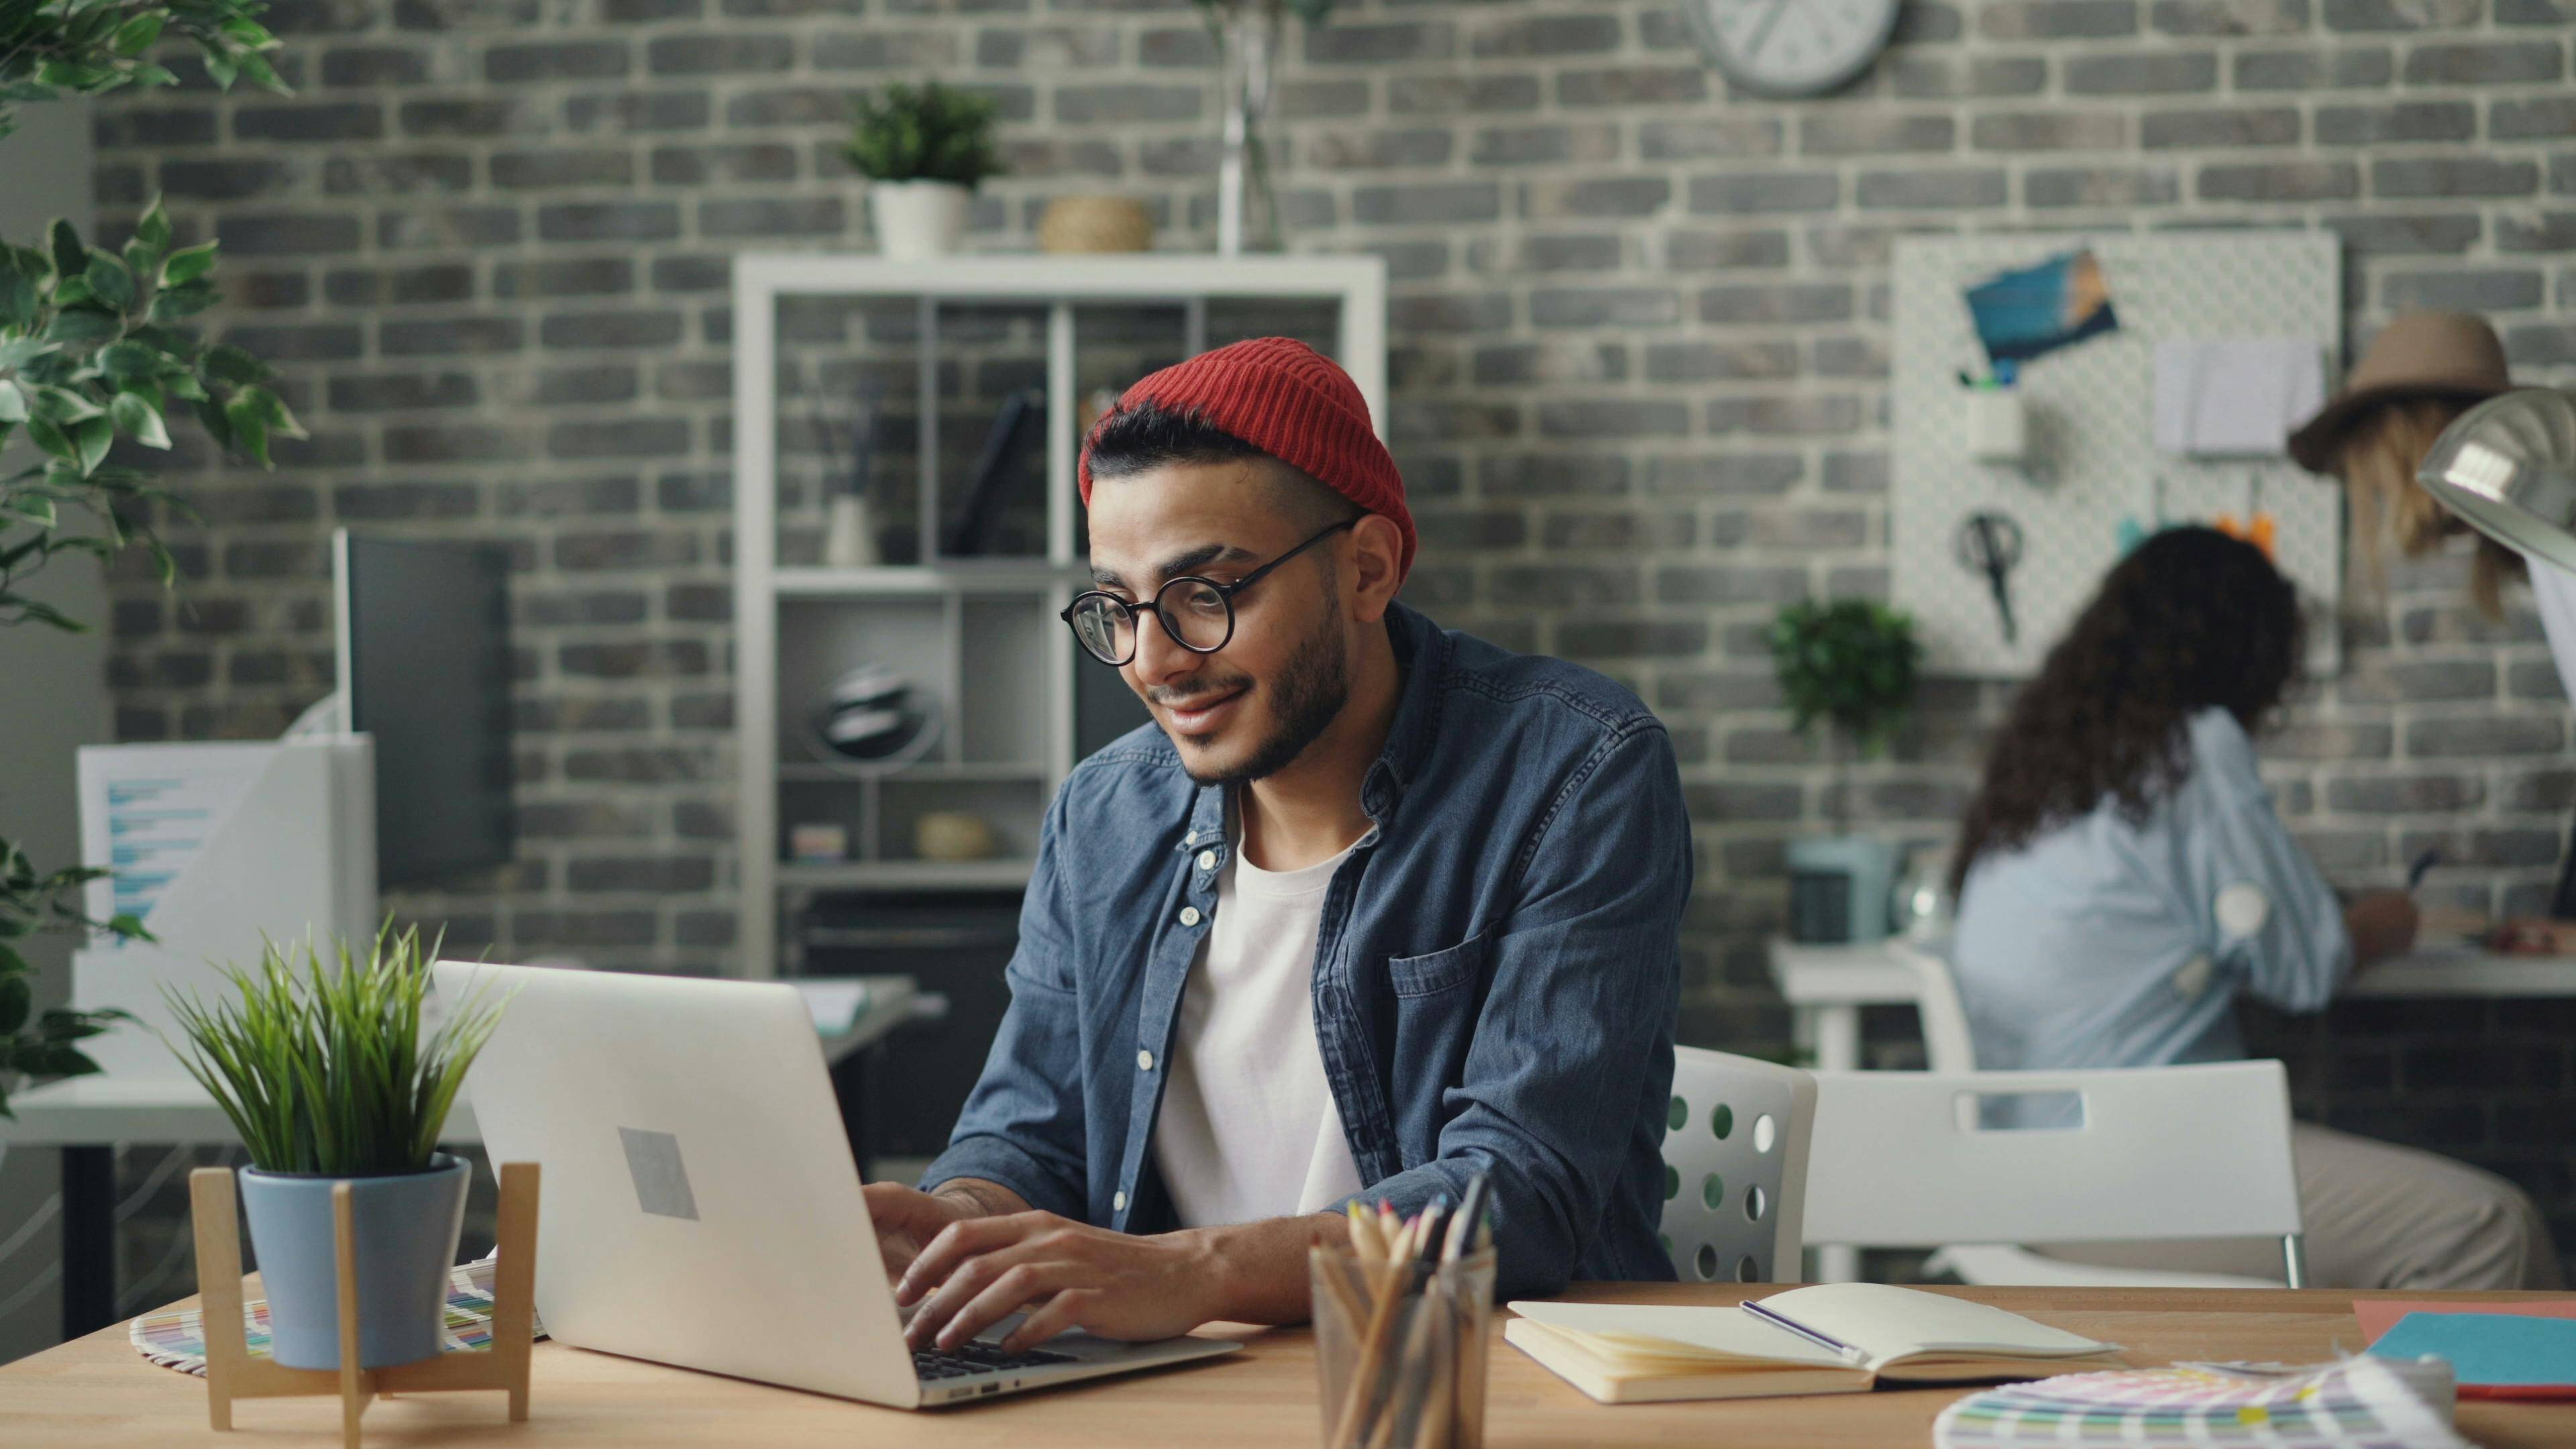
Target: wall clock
[1791,47]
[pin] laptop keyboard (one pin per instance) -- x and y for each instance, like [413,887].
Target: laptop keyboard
[976,1358]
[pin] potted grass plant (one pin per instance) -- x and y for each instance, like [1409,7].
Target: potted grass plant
[924,150]
[329,1074]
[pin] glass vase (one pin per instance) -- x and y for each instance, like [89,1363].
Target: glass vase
[1247,210]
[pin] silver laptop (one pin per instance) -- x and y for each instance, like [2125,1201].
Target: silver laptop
[699,1205]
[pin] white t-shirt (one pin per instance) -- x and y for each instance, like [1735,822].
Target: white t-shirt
[2554,590]
[1249,1129]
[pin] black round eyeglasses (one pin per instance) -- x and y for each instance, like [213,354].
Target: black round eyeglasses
[1197,613]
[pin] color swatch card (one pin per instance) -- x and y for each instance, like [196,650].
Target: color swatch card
[2359,1403]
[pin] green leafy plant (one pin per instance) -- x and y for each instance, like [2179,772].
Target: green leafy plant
[326,1071]
[928,132]
[1848,663]
[89,47]
[91,349]
[40,1043]
[94,346]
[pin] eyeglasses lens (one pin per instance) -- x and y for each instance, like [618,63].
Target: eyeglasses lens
[1198,614]
[1105,629]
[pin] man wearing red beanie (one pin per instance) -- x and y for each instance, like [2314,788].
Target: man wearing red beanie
[1371,911]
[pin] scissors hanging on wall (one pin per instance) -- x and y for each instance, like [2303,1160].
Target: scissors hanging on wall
[1989,543]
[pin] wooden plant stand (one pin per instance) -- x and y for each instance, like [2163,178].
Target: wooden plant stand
[231,1372]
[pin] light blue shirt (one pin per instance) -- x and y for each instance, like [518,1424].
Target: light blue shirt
[2104,943]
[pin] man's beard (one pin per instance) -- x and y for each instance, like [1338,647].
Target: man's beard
[1312,688]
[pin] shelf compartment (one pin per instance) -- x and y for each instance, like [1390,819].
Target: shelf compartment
[1003,713]
[995,352]
[1011,809]
[819,641]
[853,378]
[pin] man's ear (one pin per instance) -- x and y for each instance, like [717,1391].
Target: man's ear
[1377,548]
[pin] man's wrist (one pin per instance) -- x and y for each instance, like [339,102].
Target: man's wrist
[1216,1268]
[978,1198]
[1256,1272]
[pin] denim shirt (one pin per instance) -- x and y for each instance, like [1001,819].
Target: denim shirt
[1496,975]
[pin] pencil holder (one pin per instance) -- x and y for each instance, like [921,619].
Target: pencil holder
[1998,425]
[1400,1350]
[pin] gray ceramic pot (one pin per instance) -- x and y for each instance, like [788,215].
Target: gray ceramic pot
[406,1226]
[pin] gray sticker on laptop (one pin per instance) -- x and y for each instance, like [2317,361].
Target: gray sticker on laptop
[661,1182]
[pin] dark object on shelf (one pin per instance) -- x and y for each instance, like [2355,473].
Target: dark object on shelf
[954,944]
[972,535]
[873,716]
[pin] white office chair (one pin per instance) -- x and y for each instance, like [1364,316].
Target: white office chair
[1735,1167]
[1948,1047]
[1908,1159]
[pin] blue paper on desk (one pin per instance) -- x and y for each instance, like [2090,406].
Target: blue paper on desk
[2488,1348]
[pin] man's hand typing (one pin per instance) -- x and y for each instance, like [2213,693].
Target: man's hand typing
[907,1219]
[978,1271]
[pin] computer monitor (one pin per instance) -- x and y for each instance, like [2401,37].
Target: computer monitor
[424,665]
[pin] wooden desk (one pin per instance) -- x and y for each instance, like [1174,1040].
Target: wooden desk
[98,1391]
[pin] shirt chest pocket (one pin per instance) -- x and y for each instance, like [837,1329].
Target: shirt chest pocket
[1438,972]
[1435,1003]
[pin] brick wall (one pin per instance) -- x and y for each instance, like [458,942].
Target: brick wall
[1638,382]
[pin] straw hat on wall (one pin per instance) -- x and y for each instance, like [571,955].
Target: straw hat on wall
[2451,356]
[2420,373]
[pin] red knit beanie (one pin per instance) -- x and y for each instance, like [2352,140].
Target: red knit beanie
[1291,402]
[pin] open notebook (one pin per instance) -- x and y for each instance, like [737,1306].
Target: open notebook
[1836,1338]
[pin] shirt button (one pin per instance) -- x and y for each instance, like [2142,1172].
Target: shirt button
[1119,1200]
[1189,915]
[1144,1061]
[1207,860]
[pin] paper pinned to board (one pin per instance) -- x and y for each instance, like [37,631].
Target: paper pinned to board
[2235,397]
[2032,311]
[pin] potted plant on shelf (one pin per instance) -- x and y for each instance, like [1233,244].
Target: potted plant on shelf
[329,1077]
[924,150]
[1846,664]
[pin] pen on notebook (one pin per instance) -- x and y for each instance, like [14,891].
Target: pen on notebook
[2423,863]
[1845,1351]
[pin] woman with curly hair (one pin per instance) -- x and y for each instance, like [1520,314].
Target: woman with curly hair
[2122,877]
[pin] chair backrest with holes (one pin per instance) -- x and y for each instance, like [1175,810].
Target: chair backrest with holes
[1735,1167]
[1917,1159]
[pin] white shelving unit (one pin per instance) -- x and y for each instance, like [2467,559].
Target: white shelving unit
[980,633]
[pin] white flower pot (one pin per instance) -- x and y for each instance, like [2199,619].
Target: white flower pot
[918,219]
